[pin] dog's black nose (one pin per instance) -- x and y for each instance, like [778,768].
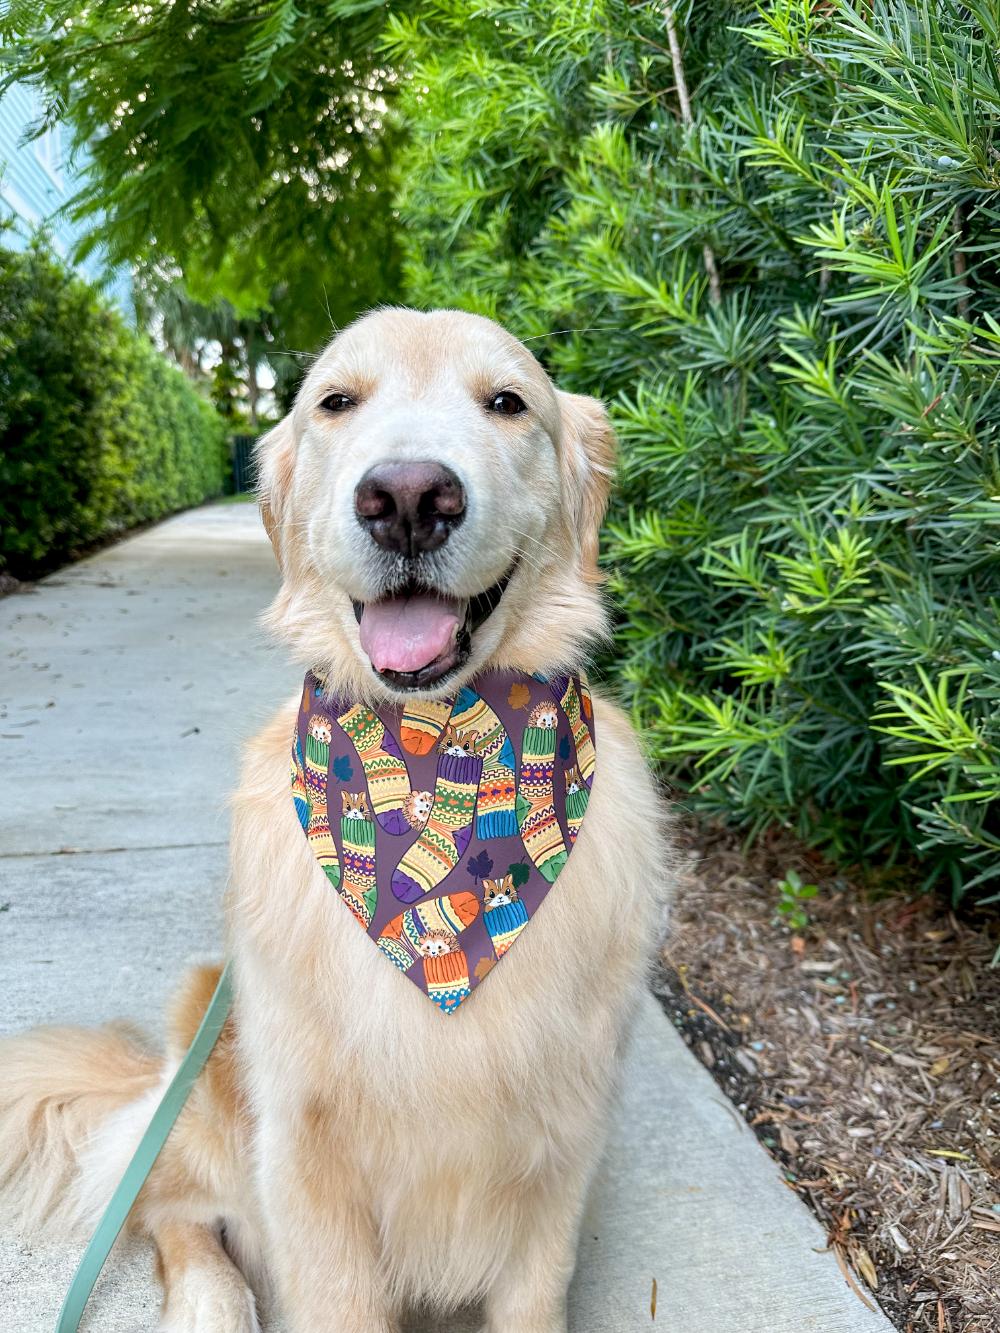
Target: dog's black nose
[410,507]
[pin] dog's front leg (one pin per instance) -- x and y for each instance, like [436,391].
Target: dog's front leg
[323,1246]
[529,1295]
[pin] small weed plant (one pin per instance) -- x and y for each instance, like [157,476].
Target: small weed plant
[792,897]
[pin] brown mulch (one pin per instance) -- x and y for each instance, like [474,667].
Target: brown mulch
[865,1053]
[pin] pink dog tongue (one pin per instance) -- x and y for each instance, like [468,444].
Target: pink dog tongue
[407,633]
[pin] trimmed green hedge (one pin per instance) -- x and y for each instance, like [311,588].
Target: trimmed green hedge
[97,431]
[787,285]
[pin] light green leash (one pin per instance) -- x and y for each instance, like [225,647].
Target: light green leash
[152,1141]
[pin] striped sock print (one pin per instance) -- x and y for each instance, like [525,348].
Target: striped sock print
[447,832]
[384,766]
[536,814]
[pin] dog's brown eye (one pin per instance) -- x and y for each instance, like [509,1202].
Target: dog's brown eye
[508,404]
[336,402]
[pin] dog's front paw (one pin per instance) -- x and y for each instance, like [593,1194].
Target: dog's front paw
[208,1301]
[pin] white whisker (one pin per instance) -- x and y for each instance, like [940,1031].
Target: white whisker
[556,333]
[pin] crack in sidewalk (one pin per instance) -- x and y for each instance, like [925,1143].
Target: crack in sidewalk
[109,851]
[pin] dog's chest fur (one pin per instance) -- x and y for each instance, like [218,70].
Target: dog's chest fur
[446,1125]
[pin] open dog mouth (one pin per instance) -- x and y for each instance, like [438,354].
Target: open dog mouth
[417,636]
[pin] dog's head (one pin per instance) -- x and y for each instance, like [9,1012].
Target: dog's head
[434,503]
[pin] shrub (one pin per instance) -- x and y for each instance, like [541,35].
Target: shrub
[97,431]
[786,290]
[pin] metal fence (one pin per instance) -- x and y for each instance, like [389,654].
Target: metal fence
[241,452]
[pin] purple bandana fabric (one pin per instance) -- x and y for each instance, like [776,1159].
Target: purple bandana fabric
[443,825]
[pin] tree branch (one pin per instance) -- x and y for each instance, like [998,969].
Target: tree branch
[961,266]
[708,254]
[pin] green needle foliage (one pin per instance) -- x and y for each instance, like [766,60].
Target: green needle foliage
[788,293]
[245,142]
[764,232]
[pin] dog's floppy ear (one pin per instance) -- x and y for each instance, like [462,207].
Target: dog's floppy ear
[274,456]
[589,452]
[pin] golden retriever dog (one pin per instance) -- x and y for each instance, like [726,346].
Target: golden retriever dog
[351,1152]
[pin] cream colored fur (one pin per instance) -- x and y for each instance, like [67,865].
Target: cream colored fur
[58,1088]
[364,1151]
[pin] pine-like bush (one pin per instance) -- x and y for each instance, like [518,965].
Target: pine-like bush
[97,431]
[773,249]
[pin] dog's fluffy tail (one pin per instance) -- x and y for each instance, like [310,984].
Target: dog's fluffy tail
[73,1104]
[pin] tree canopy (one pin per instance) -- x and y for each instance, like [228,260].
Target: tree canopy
[765,232]
[248,143]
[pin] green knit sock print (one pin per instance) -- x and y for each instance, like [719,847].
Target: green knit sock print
[357,834]
[317,764]
[447,831]
[536,814]
[384,766]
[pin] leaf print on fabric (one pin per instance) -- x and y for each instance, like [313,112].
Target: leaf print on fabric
[484,967]
[519,696]
[480,866]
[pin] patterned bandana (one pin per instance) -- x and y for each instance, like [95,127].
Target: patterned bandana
[443,825]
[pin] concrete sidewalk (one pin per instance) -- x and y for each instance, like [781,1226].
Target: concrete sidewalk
[126,685]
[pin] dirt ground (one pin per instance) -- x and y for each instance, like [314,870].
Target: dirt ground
[864,1049]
